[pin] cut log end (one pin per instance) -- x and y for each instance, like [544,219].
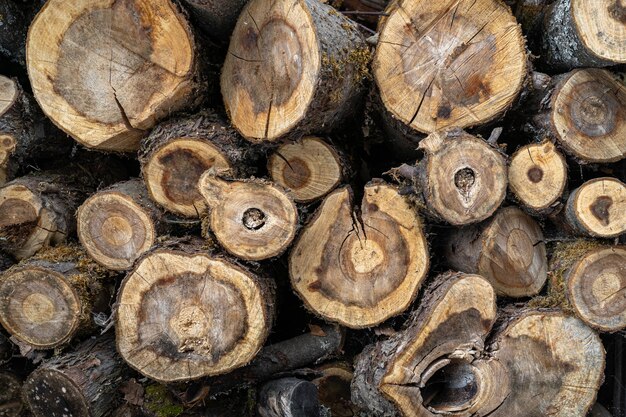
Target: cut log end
[183,316]
[589,116]
[308,169]
[441,64]
[252,219]
[8,93]
[110,105]
[598,208]
[601,27]
[538,175]
[360,271]
[45,387]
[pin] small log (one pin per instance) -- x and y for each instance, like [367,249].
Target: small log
[508,250]
[598,208]
[106,73]
[252,219]
[359,268]
[11,404]
[50,298]
[333,389]
[461,179]
[83,382]
[119,224]
[577,33]
[179,151]
[308,169]
[216,17]
[538,177]
[288,397]
[13,27]
[440,64]
[293,68]
[183,314]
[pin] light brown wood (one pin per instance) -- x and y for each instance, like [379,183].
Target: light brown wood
[598,208]
[10,395]
[538,176]
[448,63]
[359,268]
[508,250]
[119,224]
[308,169]
[294,67]
[183,314]
[105,71]
[251,219]
[49,299]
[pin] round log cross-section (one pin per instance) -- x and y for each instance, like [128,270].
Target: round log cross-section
[360,272]
[106,71]
[449,63]
[183,314]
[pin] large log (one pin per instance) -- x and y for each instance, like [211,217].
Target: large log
[440,64]
[359,268]
[293,68]
[183,314]
[105,72]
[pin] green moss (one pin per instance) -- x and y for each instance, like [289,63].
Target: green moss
[159,401]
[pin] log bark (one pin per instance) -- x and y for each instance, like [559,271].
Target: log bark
[10,399]
[358,267]
[538,177]
[252,219]
[508,250]
[293,68]
[216,17]
[440,64]
[538,362]
[13,27]
[288,397]
[333,389]
[308,169]
[598,208]
[49,299]
[179,151]
[577,33]
[119,224]
[83,382]
[142,66]
[183,314]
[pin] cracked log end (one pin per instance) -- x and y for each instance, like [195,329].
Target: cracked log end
[463,179]
[589,115]
[449,63]
[106,73]
[291,65]
[185,315]
[253,219]
[308,169]
[538,175]
[118,225]
[359,269]
[598,208]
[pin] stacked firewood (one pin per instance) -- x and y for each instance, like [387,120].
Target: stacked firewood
[311,208]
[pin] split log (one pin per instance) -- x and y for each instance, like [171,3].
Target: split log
[106,73]
[50,298]
[13,27]
[440,64]
[288,397]
[119,224]
[598,208]
[540,362]
[508,250]
[333,389]
[183,314]
[308,169]
[460,180]
[578,33]
[252,219]
[360,267]
[293,68]
[83,382]
[179,151]
[538,176]
[216,17]
[10,398]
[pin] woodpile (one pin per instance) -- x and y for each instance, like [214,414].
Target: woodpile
[312,208]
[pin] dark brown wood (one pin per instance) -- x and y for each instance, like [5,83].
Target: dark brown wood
[216,17]
[288,397]
[10,395]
